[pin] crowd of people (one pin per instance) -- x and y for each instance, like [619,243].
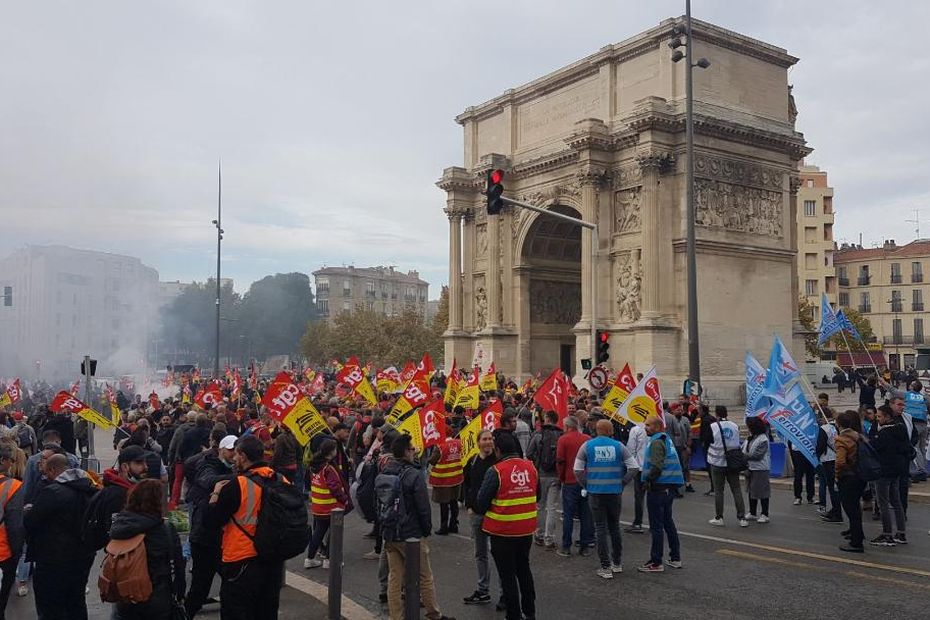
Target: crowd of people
[534,476]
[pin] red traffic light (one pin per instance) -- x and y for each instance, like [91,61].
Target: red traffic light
[497,176]
[605,336]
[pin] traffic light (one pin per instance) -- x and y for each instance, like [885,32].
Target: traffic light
[7,296]
[603,347]
[93,368]
[494,190]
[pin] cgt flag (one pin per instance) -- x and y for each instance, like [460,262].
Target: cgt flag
[211,394]
[433,423]
[452,387]
[644,400]
[756,403]
[489,380]
[115,414]
[415,394]
[469,392]
[288,406]
[66,403]
[789,412]
[355,378]
[411,426]
[12,394]
[619,391]
[552,395]
[490,419]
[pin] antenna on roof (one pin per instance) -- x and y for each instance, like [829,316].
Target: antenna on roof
[916,222]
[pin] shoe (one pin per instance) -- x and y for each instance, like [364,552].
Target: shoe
[797,501]
[851,548]
[751,517]
[454,529]
[605,573]
[371,555]
[616,568]
[371,534]
[822,510]
[312,563]
[673,563]
[810,500]
[845,534]
[709,493]
[585,552]
[325,563]
[876,516]
[22,590]
[828,518]
[443,531]
[211,600]
[900,538]
[882,540]
[649,567]
[477,599]
[689,489]
[634,529]
[718,522]
[678,495]
[550,545]
[539,540]
[382,597]
[763,519]
[743,523]
[564,552]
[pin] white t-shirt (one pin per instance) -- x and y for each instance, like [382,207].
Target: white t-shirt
[830,454]
[716,453]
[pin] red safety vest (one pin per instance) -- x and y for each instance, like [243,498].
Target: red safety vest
[448,471]
[513,509]
[321,497]
[8,486]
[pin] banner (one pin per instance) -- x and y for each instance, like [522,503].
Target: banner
[115,413]
[433,423]
[789,412]
[644,400]
[619,391]
[453,386]
[211,394]
[407,373]
[386,383]
[411,426]
[12,394]
[355,378]
[415,394]
[846,324]
[469,392]
[66,403]
[489,419]
[288,406]
[489,381]
[829,323]
[425,367]
[552,395]
[756,403]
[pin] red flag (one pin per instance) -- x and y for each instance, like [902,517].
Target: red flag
[211,394]
[552,395]
[433,423]
[426,366]
[75,388]
[407,373]
[14,391]
[153,400]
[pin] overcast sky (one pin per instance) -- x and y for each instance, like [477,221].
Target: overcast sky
[334,120]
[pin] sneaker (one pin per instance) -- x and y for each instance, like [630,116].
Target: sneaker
[312,563]
[882,540]
[454,529]
[828,518]
[22,590]
[822,510]
[564,552]
[810,500]
[634,529]
[325,563]
[211,600]
[539,540]
[900,538]
[649,567]
[605,573]
[743,523]
[371,555]
[673,563]
[709,493]
[751,517]
[797,501]
[763,519]
[689,489]
[585,552]
[550,544]
[616,568]
[477,598]
[718,522]
[848,548]
[443,531]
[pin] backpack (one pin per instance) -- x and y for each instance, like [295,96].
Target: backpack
[868,466]
[24,437]
[821,442]
[282,531]
[365,491]
[392,505]
[548,444]
[124,574]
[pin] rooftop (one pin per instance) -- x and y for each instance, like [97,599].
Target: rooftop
[848,253]
[379,272]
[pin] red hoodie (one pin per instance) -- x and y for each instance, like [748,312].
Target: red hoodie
[565,452]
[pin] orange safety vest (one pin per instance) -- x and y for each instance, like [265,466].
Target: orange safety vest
[448,471]
[236,544]
[321,497]
[8,487]
[513,509]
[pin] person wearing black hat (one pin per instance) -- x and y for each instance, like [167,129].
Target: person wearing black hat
[117,482]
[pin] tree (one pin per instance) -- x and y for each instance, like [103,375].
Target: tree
[811,325]
[188,323]
[274,314]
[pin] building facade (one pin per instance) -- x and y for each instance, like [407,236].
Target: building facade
[604,139]
[887,286]
[380,289]
[67,303]
[816,272]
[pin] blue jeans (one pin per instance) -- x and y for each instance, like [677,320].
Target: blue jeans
[659,505]
[573,503]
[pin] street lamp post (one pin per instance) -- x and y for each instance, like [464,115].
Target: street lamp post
[219,242]
[694,350]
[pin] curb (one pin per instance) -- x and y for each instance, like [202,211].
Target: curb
[350,609]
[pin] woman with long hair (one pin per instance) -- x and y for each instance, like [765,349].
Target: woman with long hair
[327,492]
[757,452]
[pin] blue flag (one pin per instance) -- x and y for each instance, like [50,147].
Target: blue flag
[846,324]
[829,322]
[789,412]
[756,403]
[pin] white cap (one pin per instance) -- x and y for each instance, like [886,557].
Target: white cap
[228,442]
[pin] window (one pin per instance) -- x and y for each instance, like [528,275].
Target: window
[370,289]
[828,232]
[844,300]
[7,296]
[810,183]
[917,300]
[810,261]
[841,274]
[810,208]
[896,273]
[918,331]
[810,288]
[863,275]
[896,331]
[917,272]
[865,304]
[370,306]
[346,289]
[322,285]
[896,301]
[323,306]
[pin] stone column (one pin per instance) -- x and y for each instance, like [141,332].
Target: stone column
[455,271]
[492,280]
[651,163]
[590,179]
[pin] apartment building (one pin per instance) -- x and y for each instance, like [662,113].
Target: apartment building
[381,289]
[816,272]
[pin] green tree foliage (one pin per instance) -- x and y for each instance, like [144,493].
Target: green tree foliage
[274,314]
[188,323]
[811,324]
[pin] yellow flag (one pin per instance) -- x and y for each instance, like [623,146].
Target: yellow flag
[489,381]
[452,387]
[644,400]
[468,395]
[411,426]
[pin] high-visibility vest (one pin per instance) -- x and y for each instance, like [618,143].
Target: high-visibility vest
[605,468]
[513,509]
[8,486]
[237,545]
[321,497]
[671,467]
[448,471]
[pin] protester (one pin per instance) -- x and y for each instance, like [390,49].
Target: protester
[542,451]
[636,443]
[848,480]
[758,488]
[117,482]
[24,434]
[894,451]
[12,533]
[916,405]
[661,475]
[327,492]
[602,467]
[445,478]
[827,470]
[473,476]
[286,453]
[725,438]
[574,502]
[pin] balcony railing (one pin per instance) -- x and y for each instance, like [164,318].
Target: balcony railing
[865,308]
[897,306]
[844,281]
[917,306]
[902,339]
[863,280]
[896,278]
[917,277]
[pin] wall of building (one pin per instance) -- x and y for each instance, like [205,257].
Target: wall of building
[383,290]
[816,271]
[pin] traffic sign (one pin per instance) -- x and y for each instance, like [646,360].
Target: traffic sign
[598,378]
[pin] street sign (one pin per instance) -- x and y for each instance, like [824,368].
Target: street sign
[598,378]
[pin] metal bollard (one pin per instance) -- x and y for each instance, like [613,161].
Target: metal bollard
[412,579]
[336,525]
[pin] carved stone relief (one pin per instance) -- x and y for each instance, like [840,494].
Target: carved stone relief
[481,240]
[481,308]
[628,205]
[630,176]
[629,289]
[738,208]
[555,302]
[738,172]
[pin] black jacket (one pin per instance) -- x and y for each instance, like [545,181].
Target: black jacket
[474,473]
[894,450]
[193,441]
[65,427]
[209,471]
[53,524]
[416,499]
[163,437]
[100,510]
[162,546]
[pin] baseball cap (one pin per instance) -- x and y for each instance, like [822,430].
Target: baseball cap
[228,442]
[131,454]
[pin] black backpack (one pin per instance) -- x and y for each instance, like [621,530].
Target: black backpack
[282,531]
[548,444]
[392,505]
[868,465]
[821,442]
[24,438]
[365,492]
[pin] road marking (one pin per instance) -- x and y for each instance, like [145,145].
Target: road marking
[350,609]
[761,558]
[890,580]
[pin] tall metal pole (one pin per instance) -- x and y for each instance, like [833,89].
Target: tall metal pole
[219,240]
[594,243]
[91,459]
[694,349]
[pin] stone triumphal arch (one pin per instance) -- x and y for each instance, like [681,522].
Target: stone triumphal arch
[604,139]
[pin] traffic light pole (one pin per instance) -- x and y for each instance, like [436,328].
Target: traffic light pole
[594,243]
